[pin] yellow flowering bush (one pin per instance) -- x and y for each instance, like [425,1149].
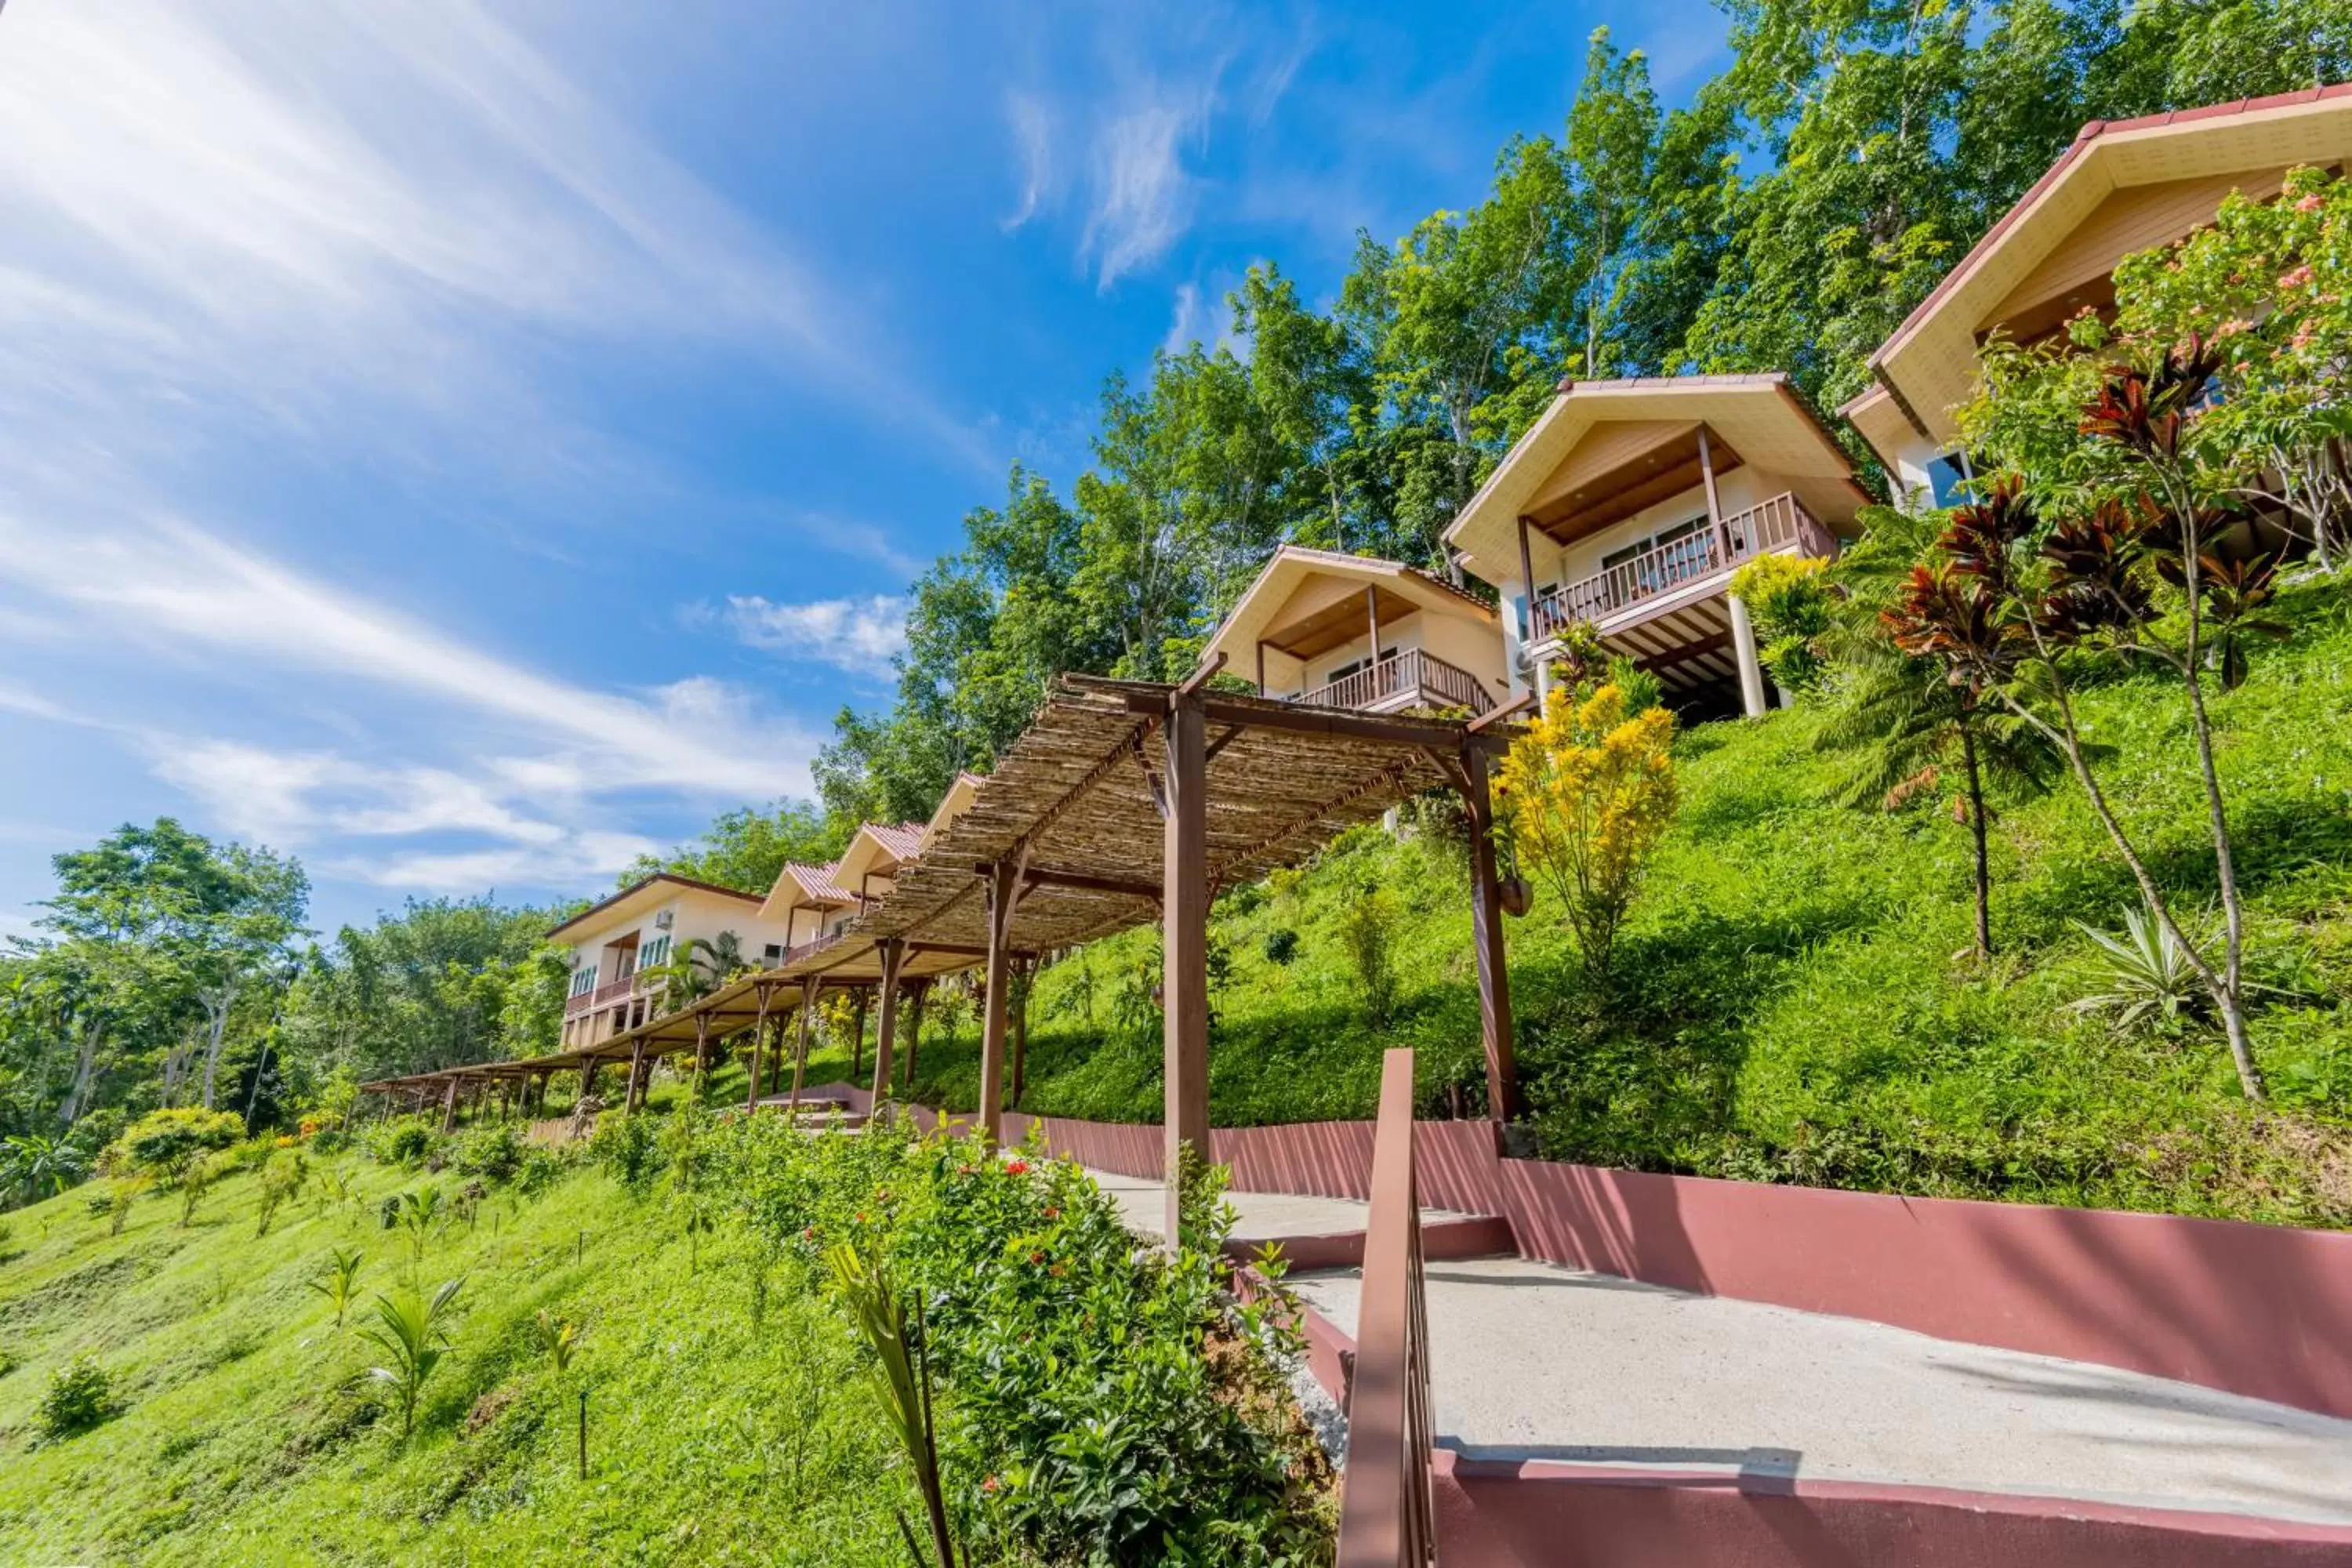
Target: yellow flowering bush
[1587,792]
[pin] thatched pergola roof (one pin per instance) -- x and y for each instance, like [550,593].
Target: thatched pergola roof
[1076,807]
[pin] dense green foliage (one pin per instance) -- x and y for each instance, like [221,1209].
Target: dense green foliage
[203,1395]
[1794,997]
[1786,218]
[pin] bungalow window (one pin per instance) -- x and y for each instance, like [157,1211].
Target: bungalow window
[584,980]
[656,952]
[1661,560]
[1358,668]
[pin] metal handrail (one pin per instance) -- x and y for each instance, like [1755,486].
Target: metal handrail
[1769,525]
[1388,1506]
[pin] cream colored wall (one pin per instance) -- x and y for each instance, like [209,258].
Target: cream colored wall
[1474,645]
[1739,490]
[1465,641]
[692,914]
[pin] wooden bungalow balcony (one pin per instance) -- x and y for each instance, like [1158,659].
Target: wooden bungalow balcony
[1658,579]
[606,995]
[1408,679]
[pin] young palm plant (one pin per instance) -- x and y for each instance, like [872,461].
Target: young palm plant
[420,1217]
[1899,722]
[559,1342]
[408,1330]
[339,1283]
[902,1386]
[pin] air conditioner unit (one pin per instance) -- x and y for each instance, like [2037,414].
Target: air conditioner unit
[665,919]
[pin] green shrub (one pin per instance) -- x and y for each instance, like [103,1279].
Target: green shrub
[1281,945]
[1368,929]
[1058,1441]
[162,1141]
[405,1141]
[1791,604]
[493,1152]
[282,1178]
[78,1397]
[626,1146]
[541,1169]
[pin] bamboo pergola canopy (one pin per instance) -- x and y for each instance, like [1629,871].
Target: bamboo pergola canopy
[1076,809]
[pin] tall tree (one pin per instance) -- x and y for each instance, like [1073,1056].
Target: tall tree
[204,918]
[1612,148]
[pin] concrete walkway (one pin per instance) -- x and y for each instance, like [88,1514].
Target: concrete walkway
[1534,1361]
[1260,1216]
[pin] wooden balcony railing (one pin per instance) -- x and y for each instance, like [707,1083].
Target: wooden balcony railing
[1771,525]
[1387,1505]
[1423,677]
[605,995]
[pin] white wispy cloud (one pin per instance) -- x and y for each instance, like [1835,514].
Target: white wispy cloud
[536,764]
[1142,199]
[1032,136]
[859,635]
[309,216]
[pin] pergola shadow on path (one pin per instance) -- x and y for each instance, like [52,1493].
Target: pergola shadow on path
[1123,803]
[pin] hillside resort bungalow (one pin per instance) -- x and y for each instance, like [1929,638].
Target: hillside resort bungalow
[2123,186]
[1349,631]
[617,944]
[1629,504]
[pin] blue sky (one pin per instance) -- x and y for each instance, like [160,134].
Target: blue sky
[464,445]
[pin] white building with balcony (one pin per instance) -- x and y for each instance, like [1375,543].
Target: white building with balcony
[617,944]
[1349,631]
[1630,504]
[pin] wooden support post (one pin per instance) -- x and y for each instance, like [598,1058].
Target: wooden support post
[449,1108]
[1526,581]
[919,992]
[1027,970]
[857,1035]
[1487,929]
[758,1045]
[1706,475]
[1371,622]
[1184,953]
[1262,691]
[894,952]
[636,1095]
[1003,885]
[800,1056]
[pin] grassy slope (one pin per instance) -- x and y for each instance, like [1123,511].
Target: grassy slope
[1792,1000]
[712,1443]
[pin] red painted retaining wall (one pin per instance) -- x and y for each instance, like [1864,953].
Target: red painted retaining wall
[1519,1516]
[2262,1311]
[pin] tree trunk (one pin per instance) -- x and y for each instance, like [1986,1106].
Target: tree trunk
[85,1070]
[1977,827]
[216,1004]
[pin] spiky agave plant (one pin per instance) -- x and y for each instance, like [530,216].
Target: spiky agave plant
[409,1330]
[2141,976]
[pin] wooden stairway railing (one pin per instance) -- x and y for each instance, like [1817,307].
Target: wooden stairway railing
[1387,1506]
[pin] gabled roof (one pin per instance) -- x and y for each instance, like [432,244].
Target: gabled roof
[801,887]
[952,804]
[1928,364]
[1761,417]
[644,894]
[1294,566]
[876,848]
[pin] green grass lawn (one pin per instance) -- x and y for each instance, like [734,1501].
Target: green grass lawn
[245,1439]
[1793,999]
